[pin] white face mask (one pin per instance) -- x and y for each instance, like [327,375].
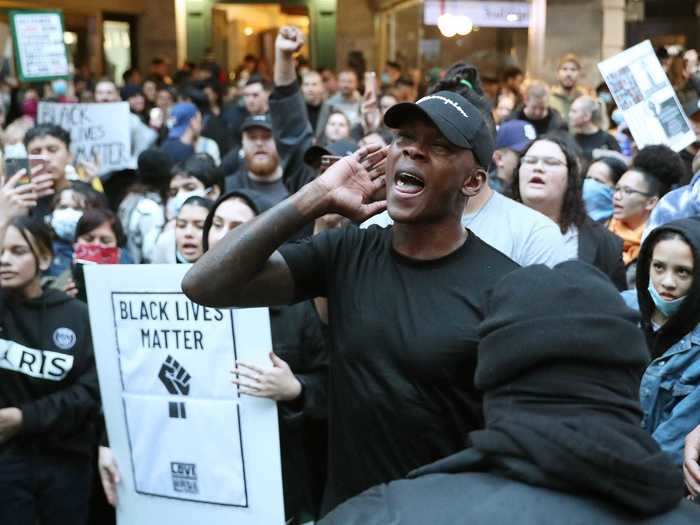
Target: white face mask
[176,202]
[64,223]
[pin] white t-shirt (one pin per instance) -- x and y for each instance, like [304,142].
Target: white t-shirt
[523,234]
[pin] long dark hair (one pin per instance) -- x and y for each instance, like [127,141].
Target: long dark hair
[573,210]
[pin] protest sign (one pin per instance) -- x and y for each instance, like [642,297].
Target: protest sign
[190,448]
[649,104]
[39,46]
[99,132]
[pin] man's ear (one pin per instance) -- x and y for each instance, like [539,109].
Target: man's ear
[651,203]
[474,182]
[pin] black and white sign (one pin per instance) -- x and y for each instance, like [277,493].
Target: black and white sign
[99,132]
[187,443]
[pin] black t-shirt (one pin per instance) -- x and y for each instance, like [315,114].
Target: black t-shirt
[598,140]
[403,337]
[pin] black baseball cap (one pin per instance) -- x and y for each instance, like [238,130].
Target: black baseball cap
[339,148]
[257,121]
[457,119]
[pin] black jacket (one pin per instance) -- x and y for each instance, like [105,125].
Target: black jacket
[47,370]
[603,249]
[487,499]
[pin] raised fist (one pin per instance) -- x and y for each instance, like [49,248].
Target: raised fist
[289,40]
[174,377]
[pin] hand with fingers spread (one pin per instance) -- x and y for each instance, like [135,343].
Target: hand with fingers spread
[350,185]
[691,462]
[15,199]
[277,383]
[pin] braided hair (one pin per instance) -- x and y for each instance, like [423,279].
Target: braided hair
[463,78]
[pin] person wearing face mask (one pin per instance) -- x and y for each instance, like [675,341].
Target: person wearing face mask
[189,225]
[197,177]
[668,299]
[49,394]
[599,184]
[99,239]
[68,208]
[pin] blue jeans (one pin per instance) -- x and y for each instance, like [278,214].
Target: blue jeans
[44,490]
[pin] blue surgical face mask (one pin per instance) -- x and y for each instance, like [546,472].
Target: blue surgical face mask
[598,199]
[667,308]
[59,87]
[64,223]
[385,79]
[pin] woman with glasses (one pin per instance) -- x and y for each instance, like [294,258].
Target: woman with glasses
[636,194]
[548,180]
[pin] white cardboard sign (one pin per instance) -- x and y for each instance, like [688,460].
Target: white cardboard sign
[643,92]
[190,448]
[99,132]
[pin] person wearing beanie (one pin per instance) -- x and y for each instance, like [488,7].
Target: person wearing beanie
[142,211]
[562,441]
[668,298]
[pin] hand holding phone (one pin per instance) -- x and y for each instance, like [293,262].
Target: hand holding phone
[13,166]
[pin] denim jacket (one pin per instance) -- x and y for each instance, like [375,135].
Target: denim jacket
[670,392]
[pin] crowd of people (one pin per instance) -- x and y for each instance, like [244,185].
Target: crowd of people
[477,294]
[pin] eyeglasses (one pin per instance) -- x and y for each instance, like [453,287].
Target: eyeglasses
[549,162]
[627,191]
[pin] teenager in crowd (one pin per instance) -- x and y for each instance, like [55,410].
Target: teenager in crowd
[297,379]
[636,194]
[562,437]
[51,143]
[189,225]
[49,395]
[548,181]
[142,212]
[402,354]
[668,298]
[99,239]
[599,186]
[198,175]
[680,203]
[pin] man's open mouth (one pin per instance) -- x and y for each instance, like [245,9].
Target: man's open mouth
[408,182]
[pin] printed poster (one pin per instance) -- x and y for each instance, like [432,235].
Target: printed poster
[190,448]
[649,104]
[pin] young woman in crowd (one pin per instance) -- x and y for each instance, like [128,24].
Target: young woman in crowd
[547,180]
[599,184]
[189,227]
[635,196]
[49,395]
[668,298]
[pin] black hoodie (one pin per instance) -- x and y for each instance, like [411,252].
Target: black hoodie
[47,370]
[688,317]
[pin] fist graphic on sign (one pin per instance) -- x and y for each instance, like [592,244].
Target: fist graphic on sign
[175,378]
